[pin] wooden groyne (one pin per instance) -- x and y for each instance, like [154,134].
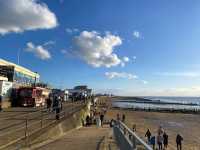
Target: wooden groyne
[167,110]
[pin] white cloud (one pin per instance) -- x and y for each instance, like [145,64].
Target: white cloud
[20,15]
[179,74]
[124,75]
[134,57]
[97,50]
[61,1]
[137,34]
[112,75]
[122,64]
[39,51]
[63,51]
[126,59]
[71,30]
[49,43]
[145,82]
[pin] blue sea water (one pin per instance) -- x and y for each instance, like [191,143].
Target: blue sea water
[176,103]
[182,100]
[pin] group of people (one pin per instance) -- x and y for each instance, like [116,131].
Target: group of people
[162,139]
[54,103]
[95,118]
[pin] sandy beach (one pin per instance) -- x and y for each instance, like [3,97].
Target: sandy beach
[188,125]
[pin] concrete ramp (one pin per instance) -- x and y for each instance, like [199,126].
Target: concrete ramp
[85,138]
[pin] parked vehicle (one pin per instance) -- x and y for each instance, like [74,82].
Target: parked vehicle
[32,96]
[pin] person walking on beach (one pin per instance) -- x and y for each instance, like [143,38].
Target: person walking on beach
[160,142]
[160,130]
[148,135]
[153,142]
[123,118]
[165,140]
[102,118]
[179,140]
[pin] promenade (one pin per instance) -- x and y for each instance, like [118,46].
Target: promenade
[86,138]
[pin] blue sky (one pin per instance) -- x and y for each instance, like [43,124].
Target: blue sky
[72,42]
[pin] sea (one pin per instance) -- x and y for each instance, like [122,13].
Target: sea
[167,102]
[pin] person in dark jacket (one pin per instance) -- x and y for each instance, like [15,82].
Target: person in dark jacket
[123,118]
[148,135]
[56,107]
[49,102]
[102,118]
[153,142]
[87,120]
[179,140]
[165,140]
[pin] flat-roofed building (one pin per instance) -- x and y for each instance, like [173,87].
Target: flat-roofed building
[17,74]
[81,90]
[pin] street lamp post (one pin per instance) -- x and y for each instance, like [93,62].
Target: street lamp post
[18,56]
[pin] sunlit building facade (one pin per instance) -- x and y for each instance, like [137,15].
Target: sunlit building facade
[17,74]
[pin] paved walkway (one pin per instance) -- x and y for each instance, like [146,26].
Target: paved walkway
[86,138]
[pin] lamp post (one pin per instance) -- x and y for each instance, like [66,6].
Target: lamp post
[35,79]
[18,56]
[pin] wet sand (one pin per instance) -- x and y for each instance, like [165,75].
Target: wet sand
[188,125]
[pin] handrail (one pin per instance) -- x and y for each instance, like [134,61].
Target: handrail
[128,132]
[52,114]
[26,115]
[42,120]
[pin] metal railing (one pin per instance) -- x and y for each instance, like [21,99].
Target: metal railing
[30,123]
[127,139]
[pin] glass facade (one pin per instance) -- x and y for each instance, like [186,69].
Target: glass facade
[23,78]
[16,76]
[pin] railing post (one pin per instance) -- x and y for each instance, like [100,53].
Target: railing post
[134,142]
[41,118]
[26,131]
